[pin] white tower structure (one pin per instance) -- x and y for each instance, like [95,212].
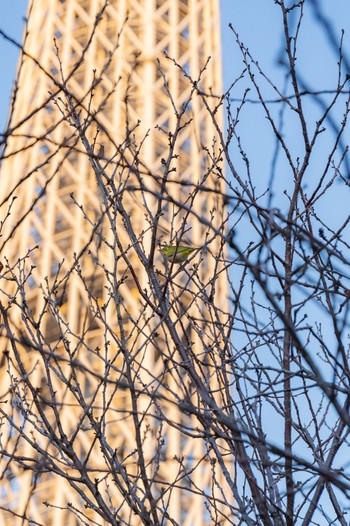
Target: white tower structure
[109,91]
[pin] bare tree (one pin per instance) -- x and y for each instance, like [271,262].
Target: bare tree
[241,349]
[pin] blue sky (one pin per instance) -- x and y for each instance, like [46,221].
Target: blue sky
[12,24]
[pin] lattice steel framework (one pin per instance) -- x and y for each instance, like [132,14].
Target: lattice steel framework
[58,204]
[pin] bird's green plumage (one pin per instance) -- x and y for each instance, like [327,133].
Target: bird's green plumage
[176,253]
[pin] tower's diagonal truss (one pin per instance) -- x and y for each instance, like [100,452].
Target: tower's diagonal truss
[113,150]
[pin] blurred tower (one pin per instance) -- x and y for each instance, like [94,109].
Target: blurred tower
[86,47]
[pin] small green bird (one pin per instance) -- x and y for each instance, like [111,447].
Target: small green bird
[178,253]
